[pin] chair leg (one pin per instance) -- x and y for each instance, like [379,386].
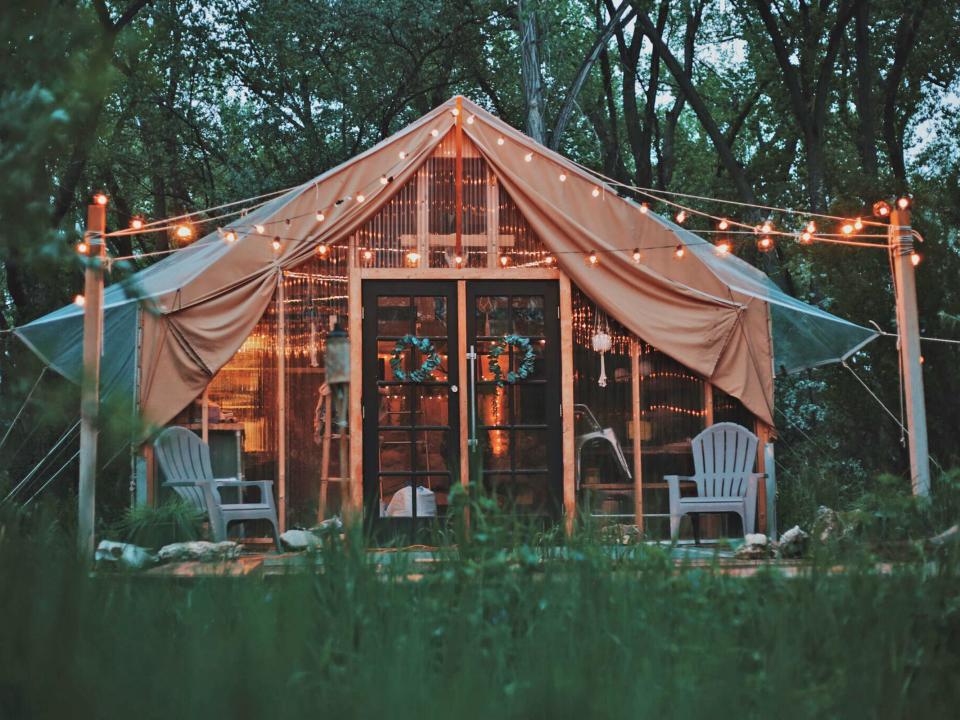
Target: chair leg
[675,527]
[695,519]
[276,536]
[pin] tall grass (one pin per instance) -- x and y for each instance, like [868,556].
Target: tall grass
[495,632]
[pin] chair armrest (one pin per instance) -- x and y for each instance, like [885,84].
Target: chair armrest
[183,483]
[750,502]
[264,486]
[673,485]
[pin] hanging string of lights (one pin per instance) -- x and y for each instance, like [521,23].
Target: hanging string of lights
[728,231]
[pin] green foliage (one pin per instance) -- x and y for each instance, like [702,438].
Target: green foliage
[153,526]
[585,635]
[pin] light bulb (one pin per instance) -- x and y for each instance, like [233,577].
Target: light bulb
[858,224]
[765,243]
[881,208]
[528,157]
[504,260]
[471,119]
[811,227]
[914,257]
[592,258]
[806,237]
[367,255]
[766,227]
[320,216]
[259,229]
[360,198]
[903,202]
[723,247]
[636,255]
[595,192]
[136,223]
[434,132]
[413,257]
[82,248]
[549,260]
[322,249]
[383,180]
[230,236]
[723,224]
[402,154]
[563,177]
[500,140]
[276,244]
[184,232]
[644,208]
[847,228]
[458,260]
[455,112]
[681,216]
[101,199]
[679,251]
[79,300]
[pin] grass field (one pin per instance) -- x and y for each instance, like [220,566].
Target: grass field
[495,633]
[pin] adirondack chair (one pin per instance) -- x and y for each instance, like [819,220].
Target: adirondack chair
[723,458]
[185,460]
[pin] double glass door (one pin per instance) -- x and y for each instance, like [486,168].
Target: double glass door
[413,425]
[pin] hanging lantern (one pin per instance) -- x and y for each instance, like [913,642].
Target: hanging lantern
[602,343]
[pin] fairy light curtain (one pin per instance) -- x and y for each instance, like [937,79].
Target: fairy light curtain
[417,226]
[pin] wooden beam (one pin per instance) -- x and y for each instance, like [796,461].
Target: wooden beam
[355,323]
[205,415]
[461,274]
[708,402]
[566,403]
[462,380]
[637,440]
[281,406]
[458,138]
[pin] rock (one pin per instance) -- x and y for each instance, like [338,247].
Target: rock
[793,543]
[200,550]
[330,525]
[756,546]
[827,525]
[299,540]
[123,555]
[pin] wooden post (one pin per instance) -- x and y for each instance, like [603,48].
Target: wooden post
[900,242]
[281,405]
[566,403]
[637,440]
[90,383]
[458,136]
[355,321]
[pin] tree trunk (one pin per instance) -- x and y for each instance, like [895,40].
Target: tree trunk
[867,130]
[530,71]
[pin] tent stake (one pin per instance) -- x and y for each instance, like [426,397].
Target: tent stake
[90,383]
[900,241]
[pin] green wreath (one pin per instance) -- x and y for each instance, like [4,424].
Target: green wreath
[422,373]
[526,363]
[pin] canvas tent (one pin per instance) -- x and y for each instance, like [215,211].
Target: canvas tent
[718,316]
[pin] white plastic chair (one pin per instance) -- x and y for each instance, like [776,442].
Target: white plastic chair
[723,458]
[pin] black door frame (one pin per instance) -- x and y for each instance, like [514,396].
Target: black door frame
[550,291]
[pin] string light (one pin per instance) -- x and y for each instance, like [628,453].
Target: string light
[360,198]
[858,224]
[723,247]
[434,132]
[637,255]
[914,257]
[903,202]
[458,259]
[679,251]
[811,227]
[847,228]
[765,243]
[644,208]
[681,216]
[259,228]
[82,248]
[500,140]
[322,249]
[276,244]
[184,232]
[563,177]
[767,227]
[367,255]
[881,208]
[229,235]
[471,119]
[723,224]
[592,258]
[79,300]
[595,192]
[383,180]
[136,222]
[504,260]
[413,257]
[101,199]
[549,260]
[455,111]
[528,157]
[806,237]
[402,154]
[320,216]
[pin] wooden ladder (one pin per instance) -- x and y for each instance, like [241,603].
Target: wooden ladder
[343,447]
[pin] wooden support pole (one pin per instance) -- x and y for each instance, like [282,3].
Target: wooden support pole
[458,136]
[900,243]
[281,405]
[566,404]
[90,382]
[355,320]
[637,439]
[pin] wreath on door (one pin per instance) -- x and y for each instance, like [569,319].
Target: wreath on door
[430,362]
[527,361]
